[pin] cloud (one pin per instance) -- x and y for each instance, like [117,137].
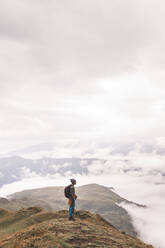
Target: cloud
[83,70]
[149,222]
[27,173]
[63,43]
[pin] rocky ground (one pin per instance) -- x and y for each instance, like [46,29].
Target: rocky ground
[34,227]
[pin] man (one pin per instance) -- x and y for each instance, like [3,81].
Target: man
[72,199]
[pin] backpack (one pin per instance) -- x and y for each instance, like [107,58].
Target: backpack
[67,191]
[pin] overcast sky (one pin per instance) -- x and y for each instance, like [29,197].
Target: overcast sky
[81,70]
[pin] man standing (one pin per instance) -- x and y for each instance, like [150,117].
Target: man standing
[72,199]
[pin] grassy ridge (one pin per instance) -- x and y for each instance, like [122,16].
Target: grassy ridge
[34,227]
[92,197]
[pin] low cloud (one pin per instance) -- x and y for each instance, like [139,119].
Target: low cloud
[149,222]
[27,173]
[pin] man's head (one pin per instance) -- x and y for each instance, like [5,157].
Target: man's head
[73,181]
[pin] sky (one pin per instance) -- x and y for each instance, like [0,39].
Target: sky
[85,70]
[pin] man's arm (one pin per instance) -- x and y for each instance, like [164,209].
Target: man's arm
[72,192]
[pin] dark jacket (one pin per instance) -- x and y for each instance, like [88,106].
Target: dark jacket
[72,192]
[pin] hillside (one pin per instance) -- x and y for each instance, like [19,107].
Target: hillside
[34,227]
[92,197]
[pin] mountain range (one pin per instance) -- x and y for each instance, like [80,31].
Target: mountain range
[13,169]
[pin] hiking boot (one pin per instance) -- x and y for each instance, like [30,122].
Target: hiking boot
[71,218]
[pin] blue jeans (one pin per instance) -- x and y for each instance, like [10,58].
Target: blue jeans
[71,208]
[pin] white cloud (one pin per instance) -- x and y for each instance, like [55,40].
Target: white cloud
[149,222]
[63,78]
[27,173]
[56,167]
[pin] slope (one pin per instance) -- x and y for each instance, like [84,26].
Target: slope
[92,197]
[34,227]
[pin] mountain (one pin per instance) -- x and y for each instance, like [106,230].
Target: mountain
[15,168]
[92,197]
[34,227]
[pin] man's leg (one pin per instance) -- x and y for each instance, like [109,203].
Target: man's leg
[71,209]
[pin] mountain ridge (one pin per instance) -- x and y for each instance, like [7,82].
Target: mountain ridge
[92,197]
[34,227]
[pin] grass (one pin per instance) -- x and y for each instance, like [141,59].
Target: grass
[33,227]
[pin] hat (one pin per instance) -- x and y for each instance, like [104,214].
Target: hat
[73,180]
